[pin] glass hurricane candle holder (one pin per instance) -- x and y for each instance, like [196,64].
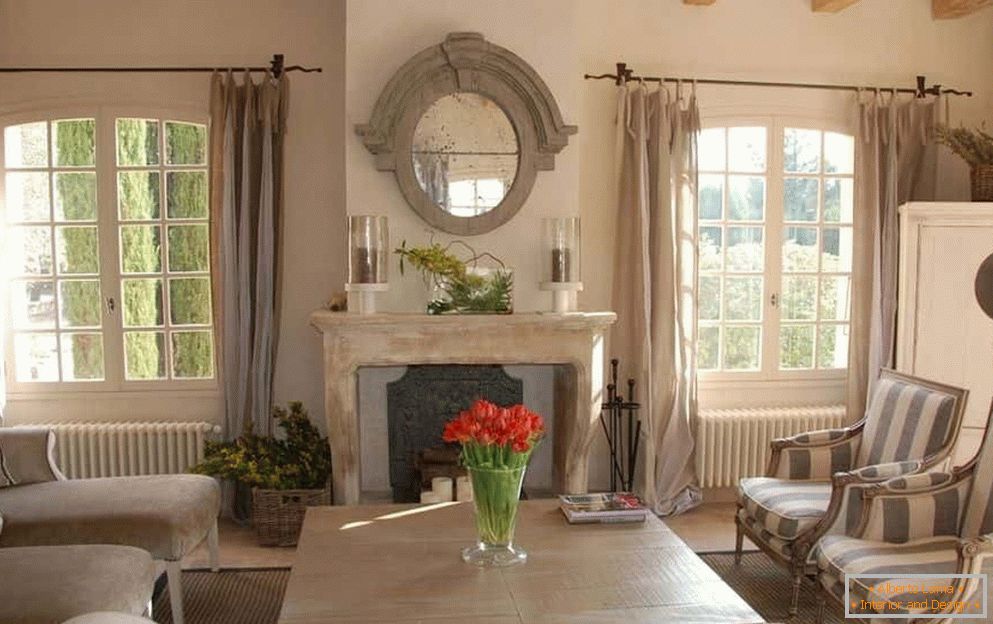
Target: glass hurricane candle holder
[368,261]
[561,251]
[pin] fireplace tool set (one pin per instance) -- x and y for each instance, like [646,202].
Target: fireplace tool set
[622,427]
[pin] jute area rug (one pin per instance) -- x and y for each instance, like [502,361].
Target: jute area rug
[227,597]
[767,588]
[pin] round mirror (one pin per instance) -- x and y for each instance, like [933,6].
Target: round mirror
[465,154]
[984,286]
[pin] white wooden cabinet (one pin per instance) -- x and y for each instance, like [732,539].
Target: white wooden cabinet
[942,333]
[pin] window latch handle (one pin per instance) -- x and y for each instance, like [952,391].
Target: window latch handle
[111,304]
[774,299]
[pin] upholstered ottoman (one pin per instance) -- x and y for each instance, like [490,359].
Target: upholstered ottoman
[167,515]
[50,584]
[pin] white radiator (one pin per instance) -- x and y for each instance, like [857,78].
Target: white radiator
[734,443]
[116,449]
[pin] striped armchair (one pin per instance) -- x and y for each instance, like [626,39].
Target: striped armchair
[815,479]
[932,523]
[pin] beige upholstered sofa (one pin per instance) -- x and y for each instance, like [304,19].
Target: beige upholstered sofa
[50,584]
[166,516]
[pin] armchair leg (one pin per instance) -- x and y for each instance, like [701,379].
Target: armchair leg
[213,548]
[795,600]
[739,538]
[174,572]
[821,606]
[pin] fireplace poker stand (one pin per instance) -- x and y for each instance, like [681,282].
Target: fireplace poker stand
[622,428]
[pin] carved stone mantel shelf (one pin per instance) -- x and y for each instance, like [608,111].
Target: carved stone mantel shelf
[573,342]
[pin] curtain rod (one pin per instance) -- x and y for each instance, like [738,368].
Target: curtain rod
[276,66]
[626,74]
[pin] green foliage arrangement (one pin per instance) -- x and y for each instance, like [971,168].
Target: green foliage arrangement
[973,146]
[466,289]
[299,461]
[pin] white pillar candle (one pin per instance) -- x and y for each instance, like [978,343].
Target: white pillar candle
[442,486]
[463,489]
[429,497]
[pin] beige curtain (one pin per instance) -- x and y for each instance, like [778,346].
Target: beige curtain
[894,164]
[248,121]
[654,290]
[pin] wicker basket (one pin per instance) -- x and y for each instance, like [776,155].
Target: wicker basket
[982,183]
[278,514]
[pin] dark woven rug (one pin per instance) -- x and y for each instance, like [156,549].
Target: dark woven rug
[226,597]
[767,587]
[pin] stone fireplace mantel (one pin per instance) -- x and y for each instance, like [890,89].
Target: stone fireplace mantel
[572,342]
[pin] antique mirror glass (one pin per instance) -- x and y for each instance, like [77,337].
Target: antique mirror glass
[465,154]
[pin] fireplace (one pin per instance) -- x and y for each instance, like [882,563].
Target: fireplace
[421,402]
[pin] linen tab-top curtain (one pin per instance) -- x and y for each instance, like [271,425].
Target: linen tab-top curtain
[892,168]
[248,121]
[654,289]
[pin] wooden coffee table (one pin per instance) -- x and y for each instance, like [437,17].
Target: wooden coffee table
[400,563]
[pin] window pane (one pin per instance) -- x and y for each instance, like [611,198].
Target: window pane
[710,297]
[82,357]
[746,198]
[144,355]
[138,197]
[746,149]
[796,346]
[141,249]
[192,355]
[186,194]
[36,357]
[186,143]
[800,199]
[32,304]
[189,301]
[839,153]
[800,249]
[708,348]
[188,248]
[801,150]
[832,346]
[711,149]
[839,200]
[711,197]
[76,196]
[837,249]
[79,303]
[743,298]
[710,248]
[835,293]
[745,251]
[27,196]
[77,249]
[26,145]
[799,298]
[75,142]
[741,348]
[142,302]
[137,142]
[30,250]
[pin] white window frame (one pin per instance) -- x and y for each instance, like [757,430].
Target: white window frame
[769,376]
[110,275]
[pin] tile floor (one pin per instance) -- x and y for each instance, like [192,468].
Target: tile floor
[708,528]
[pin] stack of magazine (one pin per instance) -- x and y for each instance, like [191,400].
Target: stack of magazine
[608,507]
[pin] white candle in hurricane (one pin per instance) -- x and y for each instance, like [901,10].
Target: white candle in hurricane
[463,489]
[442,487]
[429,497]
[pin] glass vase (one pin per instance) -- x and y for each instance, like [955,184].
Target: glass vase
[496,493]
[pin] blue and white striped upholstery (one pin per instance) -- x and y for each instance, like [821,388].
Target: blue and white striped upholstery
[817,455]
[932,510]
[905,421]
[779,545]
[782,507]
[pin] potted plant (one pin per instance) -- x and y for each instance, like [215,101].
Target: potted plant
[287,473]
[975,147]
[461,286]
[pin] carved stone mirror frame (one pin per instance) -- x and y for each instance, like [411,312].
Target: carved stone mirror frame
[466,62]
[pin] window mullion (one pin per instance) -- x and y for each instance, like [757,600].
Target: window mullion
[773,254]
[110,283]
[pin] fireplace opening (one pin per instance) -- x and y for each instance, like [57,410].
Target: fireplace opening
[417,407]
